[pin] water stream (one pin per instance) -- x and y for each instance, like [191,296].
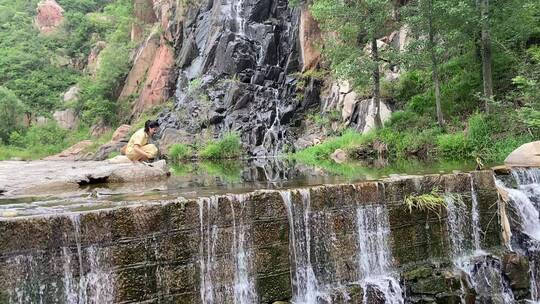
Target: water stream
[483,270]
[306,288]
[375,256]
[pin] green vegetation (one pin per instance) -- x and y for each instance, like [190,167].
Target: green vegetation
[40,141]
[433,201]
[225,148]
[470,81]
[178,152]
[35,70]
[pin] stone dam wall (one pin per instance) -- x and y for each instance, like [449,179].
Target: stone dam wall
[326,244]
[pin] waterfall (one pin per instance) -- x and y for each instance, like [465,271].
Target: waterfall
[306,289]
[525,201]
[244,283]
[207,249]
[482,270]
[85,277]
[374,257]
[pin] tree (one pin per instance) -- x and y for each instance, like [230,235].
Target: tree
[355,24]
[11,112]
[485,43]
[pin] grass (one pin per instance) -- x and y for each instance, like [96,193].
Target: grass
[39,142]
[488,137]
[179,151]
[227,147]
[432,201]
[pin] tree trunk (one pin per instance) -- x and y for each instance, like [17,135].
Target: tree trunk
[434,66]
[486,53]
[376,82]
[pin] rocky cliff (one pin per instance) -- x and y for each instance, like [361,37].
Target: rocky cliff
[236,66]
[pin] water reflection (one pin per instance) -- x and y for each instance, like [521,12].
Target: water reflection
[198,179]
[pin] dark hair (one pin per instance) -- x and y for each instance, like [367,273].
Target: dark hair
[150,124]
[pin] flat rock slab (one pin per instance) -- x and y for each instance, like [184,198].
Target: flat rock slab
[21,178]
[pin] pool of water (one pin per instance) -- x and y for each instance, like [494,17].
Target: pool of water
[192,180]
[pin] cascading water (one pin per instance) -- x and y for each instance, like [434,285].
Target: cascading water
[86,280]
[225,277]
[207,249]
[244,283]
[374,257]
[483,271]
[525,202]
[273,135]
[306,289]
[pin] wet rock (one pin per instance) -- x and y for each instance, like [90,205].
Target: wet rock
[527,155]
[514,267]
[66,119]
[49,16]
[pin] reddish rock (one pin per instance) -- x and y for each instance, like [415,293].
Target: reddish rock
[99,129]
[74,152]
[310,35]
[158,85]
[143,11]
[49,16]
[121,134]
[143,60]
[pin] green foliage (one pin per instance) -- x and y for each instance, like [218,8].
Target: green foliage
[11,114]
[432,201]
[227,147]
[453,146]
[179,152]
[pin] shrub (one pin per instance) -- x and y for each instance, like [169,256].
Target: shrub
[453,146]
[179,152]
[10,114]
[227,147]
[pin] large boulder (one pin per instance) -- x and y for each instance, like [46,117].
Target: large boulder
[66,119]
[119,139]
[49,16]
[527,155]
[75,152]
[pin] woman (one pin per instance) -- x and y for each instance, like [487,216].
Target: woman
[138,148]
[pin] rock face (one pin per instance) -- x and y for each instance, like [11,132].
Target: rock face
[49,16]
[355,112]
[527,155]
[310,36]
[184,250]
[235,68]
[66,119]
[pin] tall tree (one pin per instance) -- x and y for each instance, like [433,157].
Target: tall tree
[434,29]
[485,45]
[353,48]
